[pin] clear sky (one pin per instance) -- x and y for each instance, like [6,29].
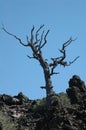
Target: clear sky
[64,18]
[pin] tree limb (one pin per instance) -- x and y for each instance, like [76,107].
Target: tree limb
[60,60]
[32,36]
[43,87]
[15,37]
[45,41]
[30,57]
[37,33]
[71,62]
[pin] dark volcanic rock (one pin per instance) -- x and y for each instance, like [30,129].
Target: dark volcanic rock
[33,115]
[8,100]
[77,90]
[22,98]
[15,100]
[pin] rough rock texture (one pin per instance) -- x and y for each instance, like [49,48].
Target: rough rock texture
[33,115]
[77,90]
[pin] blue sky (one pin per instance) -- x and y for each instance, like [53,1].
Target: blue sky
[64,18]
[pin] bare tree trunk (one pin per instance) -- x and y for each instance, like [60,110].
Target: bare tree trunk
[48,87]
[48,82]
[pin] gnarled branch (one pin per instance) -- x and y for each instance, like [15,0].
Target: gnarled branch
[60,60]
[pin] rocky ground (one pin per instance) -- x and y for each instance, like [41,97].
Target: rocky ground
[68,111]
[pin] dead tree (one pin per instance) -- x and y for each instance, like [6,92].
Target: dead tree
[36,43]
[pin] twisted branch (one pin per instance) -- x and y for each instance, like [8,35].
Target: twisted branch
[60,60]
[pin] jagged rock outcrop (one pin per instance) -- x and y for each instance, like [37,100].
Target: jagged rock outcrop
[77,90]
[14,100]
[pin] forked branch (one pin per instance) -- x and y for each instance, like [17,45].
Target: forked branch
[60,60]
[36,42]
